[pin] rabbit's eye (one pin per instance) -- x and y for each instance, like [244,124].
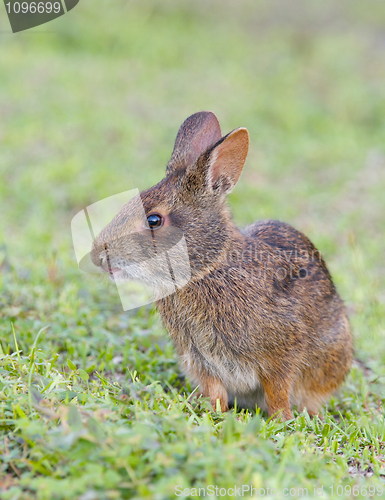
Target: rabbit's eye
[154,221]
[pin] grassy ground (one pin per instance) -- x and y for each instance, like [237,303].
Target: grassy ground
[92,402]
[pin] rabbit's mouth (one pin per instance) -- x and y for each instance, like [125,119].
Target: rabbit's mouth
[107,265]
[115,273]
[127,272]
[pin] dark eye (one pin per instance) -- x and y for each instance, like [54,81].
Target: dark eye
[154,221]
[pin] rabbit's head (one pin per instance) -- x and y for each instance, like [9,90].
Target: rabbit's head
[189,202]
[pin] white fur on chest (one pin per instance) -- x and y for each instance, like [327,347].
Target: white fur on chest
[240,382]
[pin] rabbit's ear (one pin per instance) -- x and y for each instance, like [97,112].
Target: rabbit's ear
[196,134]
[226,160]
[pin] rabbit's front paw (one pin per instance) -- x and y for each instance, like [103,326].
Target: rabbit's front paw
[215,390]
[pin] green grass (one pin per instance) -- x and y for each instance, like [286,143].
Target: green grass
[93,404]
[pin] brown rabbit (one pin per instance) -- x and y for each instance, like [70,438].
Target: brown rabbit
[259,319]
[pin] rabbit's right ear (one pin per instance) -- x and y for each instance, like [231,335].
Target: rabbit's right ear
[196,134]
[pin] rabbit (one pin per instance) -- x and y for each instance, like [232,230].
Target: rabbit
[259,320]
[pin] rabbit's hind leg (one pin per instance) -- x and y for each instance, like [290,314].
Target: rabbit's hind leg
[311,391]
[312,402]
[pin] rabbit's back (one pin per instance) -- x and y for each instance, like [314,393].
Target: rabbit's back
[292,258]
[299,277]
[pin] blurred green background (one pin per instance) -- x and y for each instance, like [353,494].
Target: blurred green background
[90,105]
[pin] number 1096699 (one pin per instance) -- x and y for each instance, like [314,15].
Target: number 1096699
[33,7]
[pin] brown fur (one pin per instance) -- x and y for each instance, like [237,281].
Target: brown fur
[260,319]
